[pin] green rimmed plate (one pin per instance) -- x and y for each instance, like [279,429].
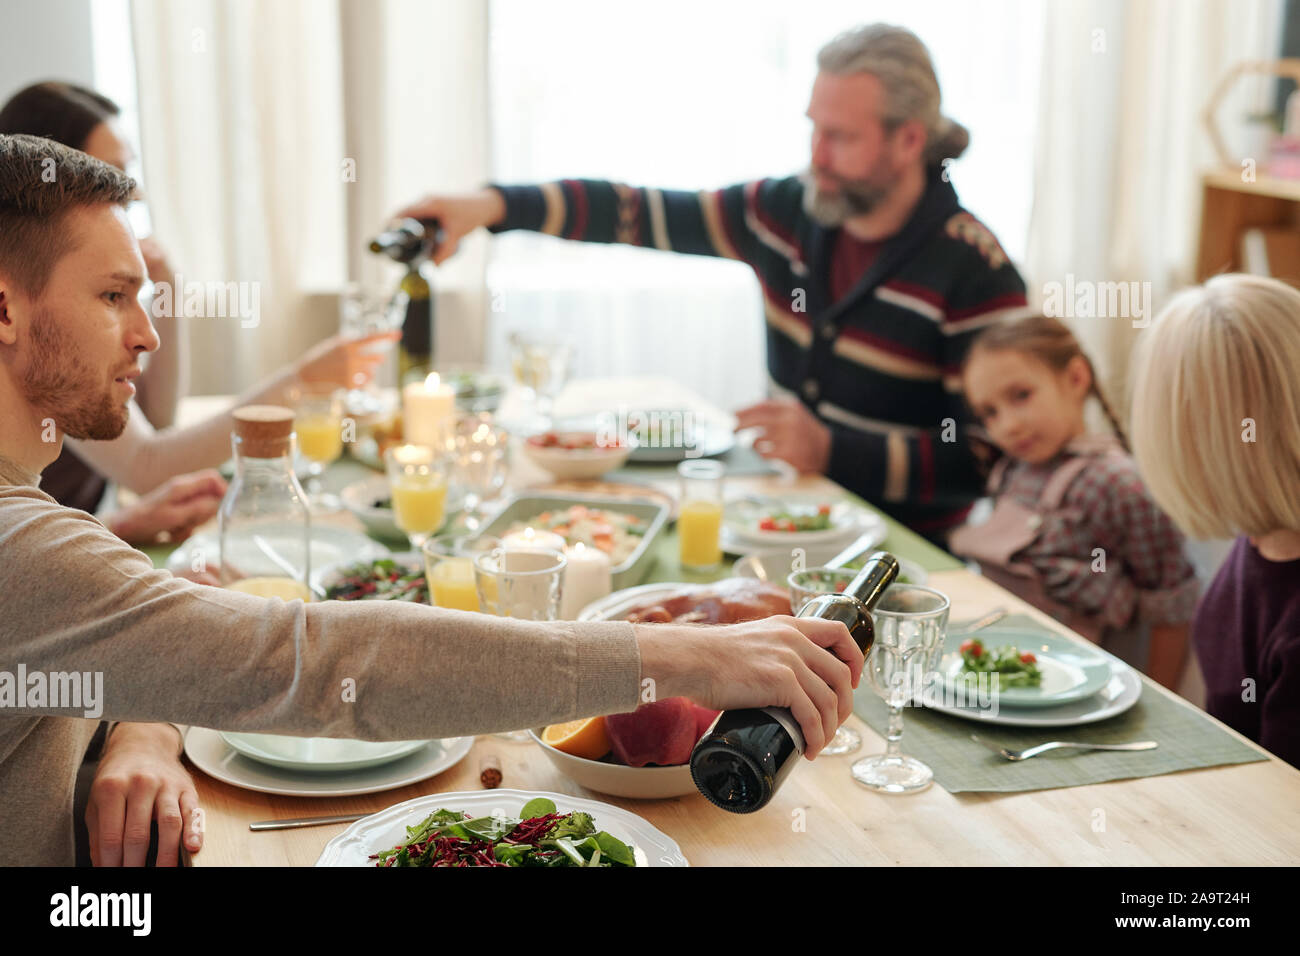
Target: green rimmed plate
[1070,672]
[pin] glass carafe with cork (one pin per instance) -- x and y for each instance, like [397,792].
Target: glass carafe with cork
[265,523]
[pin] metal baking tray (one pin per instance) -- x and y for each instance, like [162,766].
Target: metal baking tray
[635,568]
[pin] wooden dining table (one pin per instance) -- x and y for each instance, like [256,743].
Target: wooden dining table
[1239,814]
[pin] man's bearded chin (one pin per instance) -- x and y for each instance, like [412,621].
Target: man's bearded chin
[66,391]
[854,198]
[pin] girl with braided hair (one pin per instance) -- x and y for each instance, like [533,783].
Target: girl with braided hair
[1074,530]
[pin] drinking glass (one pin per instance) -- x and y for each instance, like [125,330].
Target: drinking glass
[318,421]
[417,479]
[541,366]
[451,579]
[480,453]
[910,623]
[804,586]
[699,517]
[363,314]
[522,583]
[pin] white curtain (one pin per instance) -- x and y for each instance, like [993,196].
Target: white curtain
[276,137]
[689,95]
[1121,145]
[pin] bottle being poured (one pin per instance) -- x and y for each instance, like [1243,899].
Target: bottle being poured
[412,242]
[741,763]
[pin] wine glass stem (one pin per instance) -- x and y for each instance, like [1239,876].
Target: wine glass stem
[894,735]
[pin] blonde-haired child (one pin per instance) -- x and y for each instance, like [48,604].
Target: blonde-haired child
[1216,428]
[1073,529]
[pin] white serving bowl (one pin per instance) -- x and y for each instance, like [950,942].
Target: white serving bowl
[572,464]
[637,783]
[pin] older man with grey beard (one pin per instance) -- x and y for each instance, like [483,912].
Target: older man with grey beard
[874,279]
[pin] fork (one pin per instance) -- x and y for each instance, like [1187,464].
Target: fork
[1057,745]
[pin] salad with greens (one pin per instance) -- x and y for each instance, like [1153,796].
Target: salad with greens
[381,580]
[538,837]
[1009,667]
[783,520]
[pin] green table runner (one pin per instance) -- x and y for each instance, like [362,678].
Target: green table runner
[1188,739]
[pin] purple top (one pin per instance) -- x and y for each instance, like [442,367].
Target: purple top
[1248,626]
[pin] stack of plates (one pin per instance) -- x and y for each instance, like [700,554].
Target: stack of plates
[1081,684]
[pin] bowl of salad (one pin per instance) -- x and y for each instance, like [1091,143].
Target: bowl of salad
[574,455]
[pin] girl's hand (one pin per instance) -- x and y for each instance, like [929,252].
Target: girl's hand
[805,664]
[345,362]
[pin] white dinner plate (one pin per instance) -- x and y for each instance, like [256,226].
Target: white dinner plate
[710,439]
[329,545]
[320,754]
[850,520]
[613,607]
[387,828]
[214,756]
[1120,693]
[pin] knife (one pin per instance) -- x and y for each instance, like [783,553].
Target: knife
[868,540]
[306,821]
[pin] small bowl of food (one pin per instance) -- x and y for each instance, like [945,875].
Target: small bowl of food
[371,500]
[476,391]
[573,455]
[643,755]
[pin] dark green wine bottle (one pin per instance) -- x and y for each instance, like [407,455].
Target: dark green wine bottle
[412,242]
[741,763]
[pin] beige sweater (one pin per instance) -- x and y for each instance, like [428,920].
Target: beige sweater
[74,598]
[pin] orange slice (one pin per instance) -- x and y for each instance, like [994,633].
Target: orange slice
[580,738]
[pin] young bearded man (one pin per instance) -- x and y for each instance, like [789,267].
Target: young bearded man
[874,279]
[79,603]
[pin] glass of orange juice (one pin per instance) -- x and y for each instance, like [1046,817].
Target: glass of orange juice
[318,422]
[451,580]
[417,480]
[699,516]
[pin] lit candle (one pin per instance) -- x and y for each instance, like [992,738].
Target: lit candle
[587,578]
[428,411]
[532,538]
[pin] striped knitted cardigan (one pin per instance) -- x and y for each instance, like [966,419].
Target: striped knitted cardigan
[879,367]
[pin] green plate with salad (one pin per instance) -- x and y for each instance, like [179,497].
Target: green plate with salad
[1031,668]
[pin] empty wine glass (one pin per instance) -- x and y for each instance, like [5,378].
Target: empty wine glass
[910,623]
[541,366]
[480,455]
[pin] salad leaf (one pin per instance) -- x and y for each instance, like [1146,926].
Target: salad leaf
[537,807]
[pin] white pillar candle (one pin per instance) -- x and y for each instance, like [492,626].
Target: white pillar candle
[587,578]
[428,412]
[532,538]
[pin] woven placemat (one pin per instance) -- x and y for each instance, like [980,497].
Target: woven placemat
[1188,738]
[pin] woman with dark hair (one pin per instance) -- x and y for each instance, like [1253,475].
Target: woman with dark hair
[88,121]
[151,463]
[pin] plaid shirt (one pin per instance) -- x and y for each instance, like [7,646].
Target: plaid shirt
[1147,578]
